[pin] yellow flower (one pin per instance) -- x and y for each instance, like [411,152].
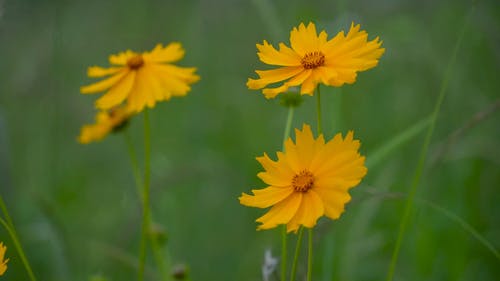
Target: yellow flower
[3,263]
[312,60]
[106,121]
[309,180]
[142,79]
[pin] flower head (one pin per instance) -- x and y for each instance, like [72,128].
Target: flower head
[106,122]
[313,59]
[3,263]
[142,79]
[310,179]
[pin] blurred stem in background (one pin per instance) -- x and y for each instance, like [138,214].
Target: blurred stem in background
[310,254]
[284,246]
[145,196]
[296,255]
[318,108]
[9,226]
[161,262]
[270,18]
[423,153]
[310,236]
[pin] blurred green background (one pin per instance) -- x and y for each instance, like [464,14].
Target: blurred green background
[75,205]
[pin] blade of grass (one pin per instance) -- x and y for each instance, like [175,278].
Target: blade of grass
[445,212]
[465,226]
[480,116]
[397,141]
[423,154]
[146,215]
[160,259]
[19,248]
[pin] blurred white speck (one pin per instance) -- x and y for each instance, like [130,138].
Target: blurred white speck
[269,265]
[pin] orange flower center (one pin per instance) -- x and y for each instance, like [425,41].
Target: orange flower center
[313,60]
[135,62]
[303,181]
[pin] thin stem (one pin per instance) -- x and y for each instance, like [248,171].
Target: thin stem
[423,154]
[288,126]
[160,260]
[145,208]
[296,255]
[283,252]
[310,254]
[6,214]
[465,226]
[134,163]
[318,107]
[310,245]
[286,135]
[19,248]
[447,213]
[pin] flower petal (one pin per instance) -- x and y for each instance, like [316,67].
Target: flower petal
[344,162]
[277,173]
[272,76]
[281,213]
[3,263]
[333,201]
[305,39]
[147,90]
[284,57]
[175,80]
[121,58]
[297,80]
[310,210]
[118,93]
[185,74]
[171,53]
[104,84]
[96,71]
[266,197]
[353,52]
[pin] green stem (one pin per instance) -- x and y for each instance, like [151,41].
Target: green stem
[146,218]
[318,107]
[6,214]
[447,213]
[288,126]
[310,254]
[423,154]
[134,163]
[19,248]
[160,260]
[283,252]
[286,135]
[466,226]
[296,255]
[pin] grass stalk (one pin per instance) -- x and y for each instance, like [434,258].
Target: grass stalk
[318,109]
[310,254]
[296,255]
[155,245]
[10,229]
[146,218]
[448,214]
[284,246]
[423,154]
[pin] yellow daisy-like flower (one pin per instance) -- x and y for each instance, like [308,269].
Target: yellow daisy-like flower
[313,59]
[3,263]
[310,179]
[106,122]
[142,79]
